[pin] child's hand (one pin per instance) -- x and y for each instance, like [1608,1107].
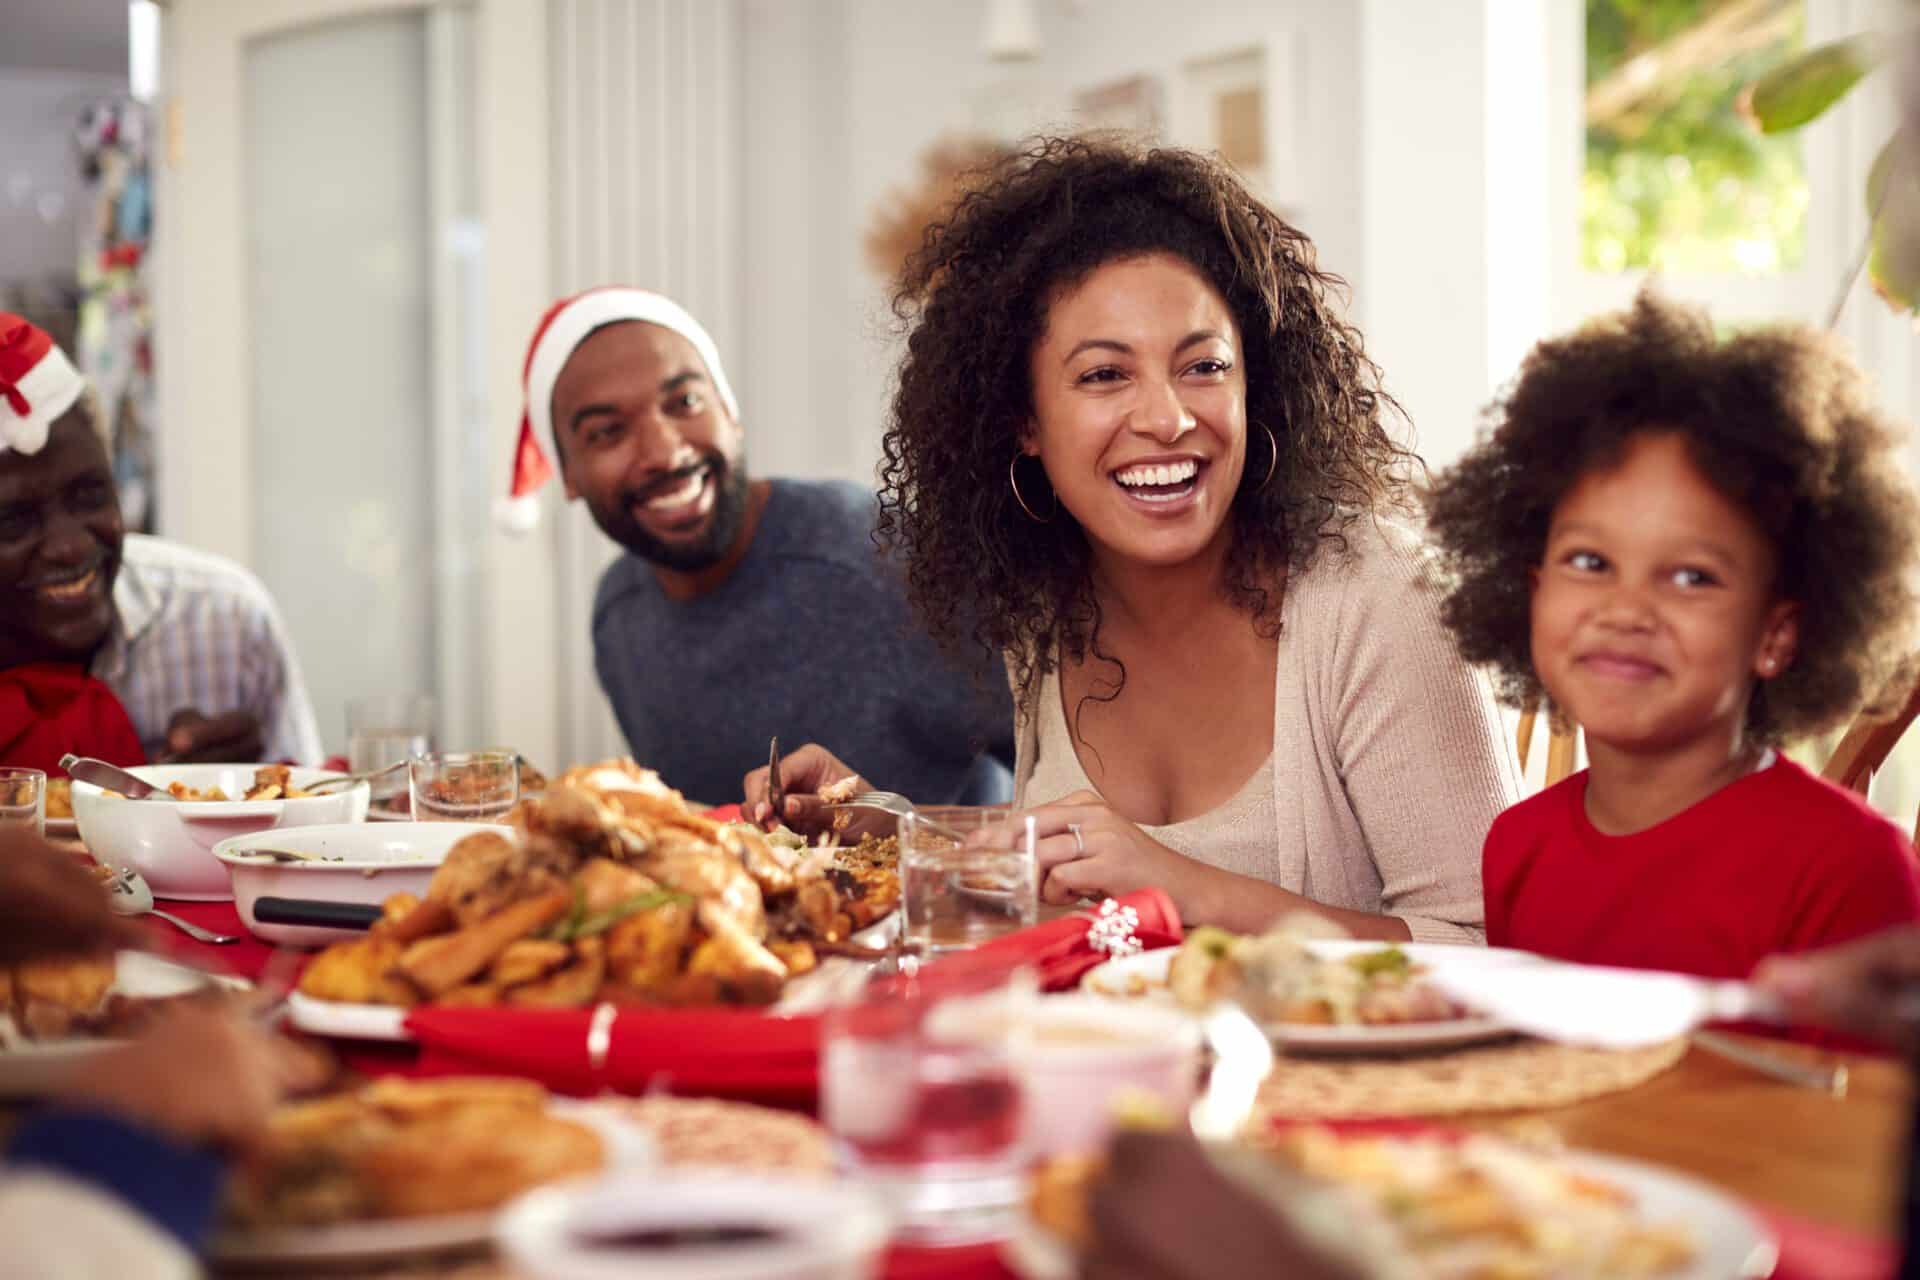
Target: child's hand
[1868,987]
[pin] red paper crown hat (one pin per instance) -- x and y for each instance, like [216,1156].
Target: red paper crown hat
[37,384]
[561,330]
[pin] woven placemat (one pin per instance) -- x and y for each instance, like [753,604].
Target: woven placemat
[1515,1075]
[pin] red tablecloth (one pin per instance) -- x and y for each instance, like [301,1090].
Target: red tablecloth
[1808,1250]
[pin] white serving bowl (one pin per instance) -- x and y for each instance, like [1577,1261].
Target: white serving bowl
[823,1230]
[376,861]
[1082,1055]
[171,842]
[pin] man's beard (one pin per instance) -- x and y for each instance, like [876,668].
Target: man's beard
[687,555]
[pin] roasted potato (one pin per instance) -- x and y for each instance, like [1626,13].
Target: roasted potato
[359,972]
[571,987]
[437,965]
[527,959]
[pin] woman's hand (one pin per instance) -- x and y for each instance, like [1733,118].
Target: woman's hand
[802,774]
[199,1073]
[50,905]
[1086,849]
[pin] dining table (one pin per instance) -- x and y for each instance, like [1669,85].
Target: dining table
[1824,1171]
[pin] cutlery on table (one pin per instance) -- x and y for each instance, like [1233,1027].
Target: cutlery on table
[129,894]
[896,804]
[776,794]
[111,777]
[349,779]
[1612,1008]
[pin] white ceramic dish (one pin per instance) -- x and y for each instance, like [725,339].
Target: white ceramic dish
[629,1150]
[171,842]
[1118,978]
[1732,1243]
[375,861]
[29,1067]
[824,1230]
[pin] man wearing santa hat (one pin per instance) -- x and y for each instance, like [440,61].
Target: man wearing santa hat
[112,644]
[742,609]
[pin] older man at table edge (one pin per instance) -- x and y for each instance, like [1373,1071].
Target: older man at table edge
[114,644]
[726,579]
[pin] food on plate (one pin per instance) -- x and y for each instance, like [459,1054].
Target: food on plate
[408,1148]
[1480,1206]
[709,1133]
[270,782]
[60,797]
[610,888]
[1277,977]
[75,997]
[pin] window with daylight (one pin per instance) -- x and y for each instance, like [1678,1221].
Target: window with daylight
[1675,179]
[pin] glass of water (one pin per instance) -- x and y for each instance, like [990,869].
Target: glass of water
[464,786]
[967,875]
[921,1093]
[386,730]
[23,798]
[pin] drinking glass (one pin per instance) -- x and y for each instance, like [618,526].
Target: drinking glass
[464,786]
[384,730]
[23,798]
[921,1094]
[959,894]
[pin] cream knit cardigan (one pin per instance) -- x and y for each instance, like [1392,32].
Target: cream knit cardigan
[1390,760]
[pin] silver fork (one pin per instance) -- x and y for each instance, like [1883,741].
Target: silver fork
[896,804]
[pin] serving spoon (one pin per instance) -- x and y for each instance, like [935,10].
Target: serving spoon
[110,777]
[129,894]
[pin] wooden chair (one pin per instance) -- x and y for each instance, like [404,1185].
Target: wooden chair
[1562,745]
[1866,746]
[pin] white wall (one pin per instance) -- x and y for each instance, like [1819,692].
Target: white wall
[1395,139]
[203,327]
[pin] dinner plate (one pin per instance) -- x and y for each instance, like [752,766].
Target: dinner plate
[836,979]
[1731,1242]
[30,1067]
[1124,978]
[628,1148]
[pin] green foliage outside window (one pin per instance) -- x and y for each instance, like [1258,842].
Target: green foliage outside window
[1675,178]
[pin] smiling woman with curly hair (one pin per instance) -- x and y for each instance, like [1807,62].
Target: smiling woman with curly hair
[1135,448]
[1695,548]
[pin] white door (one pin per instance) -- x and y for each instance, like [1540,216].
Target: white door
[348,254]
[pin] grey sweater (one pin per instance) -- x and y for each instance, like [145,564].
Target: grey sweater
[810,638]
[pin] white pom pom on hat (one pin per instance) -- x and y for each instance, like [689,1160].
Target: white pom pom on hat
[37,384]
[566,324]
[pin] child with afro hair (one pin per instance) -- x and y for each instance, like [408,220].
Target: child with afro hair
[1695,549]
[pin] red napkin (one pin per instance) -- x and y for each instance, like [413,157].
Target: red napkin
[962,1262]
[1059,950]
[50,708]
[729,1053]
[1812,1251]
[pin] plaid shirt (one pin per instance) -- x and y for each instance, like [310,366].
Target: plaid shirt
[196,632]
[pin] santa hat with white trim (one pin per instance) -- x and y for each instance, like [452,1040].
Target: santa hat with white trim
[562,329]
[37,384]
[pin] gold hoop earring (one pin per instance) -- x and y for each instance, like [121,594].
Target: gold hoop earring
[1273,456]
[1013,479]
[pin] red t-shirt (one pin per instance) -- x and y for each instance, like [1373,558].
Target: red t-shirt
[1777,861]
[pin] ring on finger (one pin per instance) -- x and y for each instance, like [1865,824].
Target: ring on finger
[1079,845]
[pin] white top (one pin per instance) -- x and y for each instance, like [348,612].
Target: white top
[1390,761]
